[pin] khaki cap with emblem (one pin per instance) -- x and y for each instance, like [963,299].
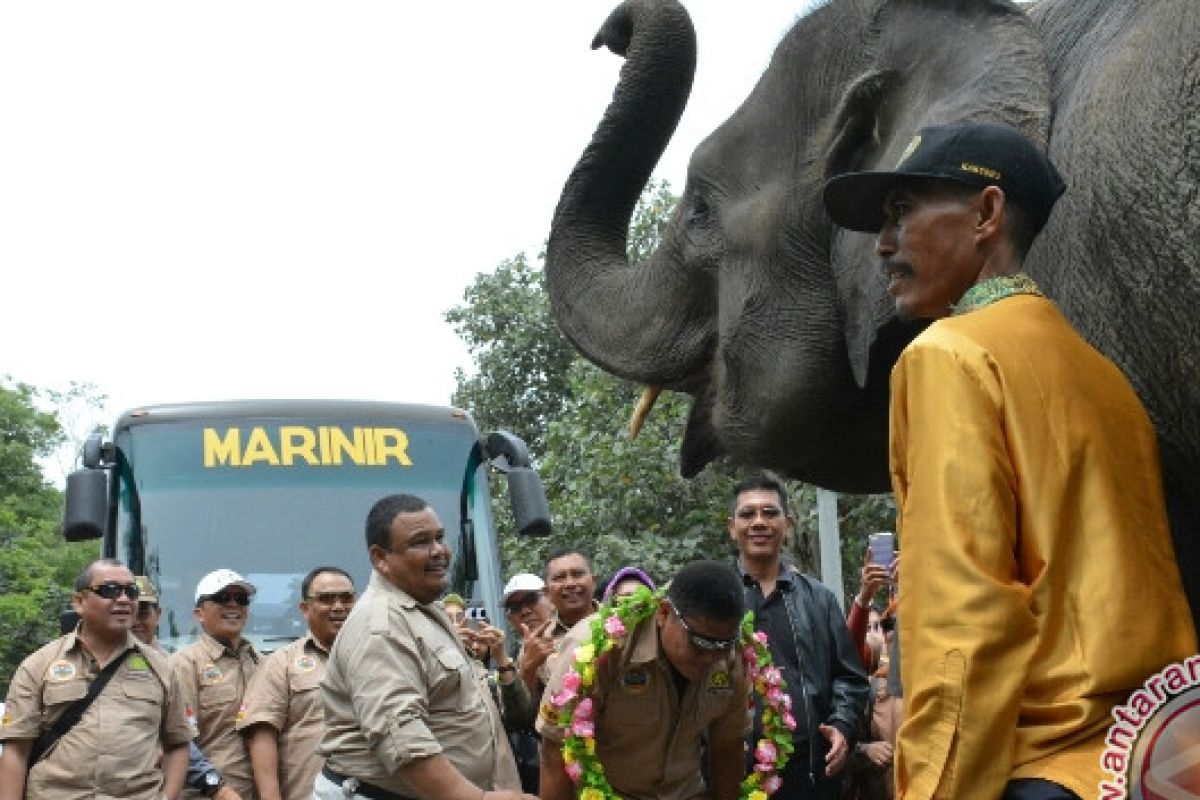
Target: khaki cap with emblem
[146,591]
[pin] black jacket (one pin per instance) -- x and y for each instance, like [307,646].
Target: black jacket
[834,680]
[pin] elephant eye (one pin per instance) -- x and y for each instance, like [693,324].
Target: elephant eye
[699,207]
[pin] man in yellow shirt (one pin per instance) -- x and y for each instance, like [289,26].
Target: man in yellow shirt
[1039,586]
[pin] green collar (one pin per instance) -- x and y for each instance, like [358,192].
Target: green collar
[993,289]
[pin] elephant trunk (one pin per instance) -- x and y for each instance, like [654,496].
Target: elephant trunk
[650,323]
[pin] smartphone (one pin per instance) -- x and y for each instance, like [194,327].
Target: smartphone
[883,548]
[474,617]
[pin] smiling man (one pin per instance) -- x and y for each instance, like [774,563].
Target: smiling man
[282,717]
[670,683]
[808,639]
[1039,585]
[134,715]
[213,673]
[404,715]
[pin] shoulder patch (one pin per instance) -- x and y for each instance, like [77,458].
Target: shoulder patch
[138,662]
[636,680]
[305,663]
[211,674]
[719,680]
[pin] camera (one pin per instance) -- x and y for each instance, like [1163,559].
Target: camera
[474,617]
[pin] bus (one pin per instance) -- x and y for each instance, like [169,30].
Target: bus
[272,489]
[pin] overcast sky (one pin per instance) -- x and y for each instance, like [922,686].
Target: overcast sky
[246,199]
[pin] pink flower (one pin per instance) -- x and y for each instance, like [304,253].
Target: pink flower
[571,682]
[614,627]
[775,696]
[760,637]
[574,771]
[789,721]
[772,784]
[773,676]
[765,752]
[583,728]
[583,711]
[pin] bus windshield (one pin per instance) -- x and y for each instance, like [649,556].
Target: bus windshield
[273,498]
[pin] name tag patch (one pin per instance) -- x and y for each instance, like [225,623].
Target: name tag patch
[61,671]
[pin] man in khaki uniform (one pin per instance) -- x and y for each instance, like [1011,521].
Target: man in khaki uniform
[570,587]
[674,678]
[113,750]
[281,717]
[404,715]
[201,774]
[213,673]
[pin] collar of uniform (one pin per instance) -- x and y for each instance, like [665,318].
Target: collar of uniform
[72,640]
[392,591]
[783,582]
[561,627]
[644,647]
[311,641]
[214,648]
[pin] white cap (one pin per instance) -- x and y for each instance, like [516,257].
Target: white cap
[220,579]
[523,582]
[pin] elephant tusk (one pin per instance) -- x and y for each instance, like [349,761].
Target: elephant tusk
[645,403]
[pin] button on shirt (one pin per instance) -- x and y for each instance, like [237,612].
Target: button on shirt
[212,680]
[399,688]
[647,734]
[113,751]
[285,693]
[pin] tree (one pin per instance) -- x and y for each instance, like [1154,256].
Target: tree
[37,568]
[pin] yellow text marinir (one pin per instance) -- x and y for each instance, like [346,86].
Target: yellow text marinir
[291,445]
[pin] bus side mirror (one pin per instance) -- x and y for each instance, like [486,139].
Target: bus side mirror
[529,505]
[530,509]
[85,510]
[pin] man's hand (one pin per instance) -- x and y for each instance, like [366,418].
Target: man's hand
[226,792]
[536,647]
[879,753]
[872,578]
[493,639]
[839,748]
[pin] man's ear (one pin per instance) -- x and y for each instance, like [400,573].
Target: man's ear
[196,615]
[660,616]
[992,207]
[77,602]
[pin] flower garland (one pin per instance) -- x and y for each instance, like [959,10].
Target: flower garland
[574,708]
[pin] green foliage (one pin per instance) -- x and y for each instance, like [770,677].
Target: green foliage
[37,568]
[521,359]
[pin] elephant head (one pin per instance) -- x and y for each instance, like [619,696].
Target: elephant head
[773,320]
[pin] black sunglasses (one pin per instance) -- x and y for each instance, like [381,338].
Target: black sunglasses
[112,590]
[699,641]
[515,604]
[329,598]
[225,596]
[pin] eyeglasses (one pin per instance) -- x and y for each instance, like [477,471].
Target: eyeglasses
[515,604]
[699,641]
[768,513]
[329,598]
[222,597]
[112,590]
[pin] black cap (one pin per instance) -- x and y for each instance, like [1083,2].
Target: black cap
[972,155]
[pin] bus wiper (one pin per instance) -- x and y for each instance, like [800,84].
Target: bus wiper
[283,638]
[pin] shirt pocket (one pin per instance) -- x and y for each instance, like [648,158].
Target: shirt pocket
[301,682]
[449,688]
[216,697]
[56,697]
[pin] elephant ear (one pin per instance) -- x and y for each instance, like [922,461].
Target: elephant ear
[932,63]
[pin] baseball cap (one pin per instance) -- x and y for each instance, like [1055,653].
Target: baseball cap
[146,591]
[523,582]
[220,579]
[971,155]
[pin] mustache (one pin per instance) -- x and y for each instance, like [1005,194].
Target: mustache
[888,266]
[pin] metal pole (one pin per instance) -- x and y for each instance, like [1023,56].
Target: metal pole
[831,544]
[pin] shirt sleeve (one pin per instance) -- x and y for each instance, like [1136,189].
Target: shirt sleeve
[737,721]
[175,726]
[185,683]
[392,709]
[965,617]
[23,706]
[267,694]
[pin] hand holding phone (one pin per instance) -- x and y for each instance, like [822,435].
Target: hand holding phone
[882,548]
[474,617]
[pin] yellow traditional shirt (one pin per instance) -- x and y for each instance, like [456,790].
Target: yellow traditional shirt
[1039,586]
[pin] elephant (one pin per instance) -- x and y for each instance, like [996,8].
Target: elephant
[777,323]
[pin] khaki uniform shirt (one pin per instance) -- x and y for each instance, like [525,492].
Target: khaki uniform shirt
[113,751]
[400,688]
[647,733]
[213,679]
[285,693]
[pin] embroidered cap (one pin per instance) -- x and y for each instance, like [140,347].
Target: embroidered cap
[971,155]
[146,591]
[523,582]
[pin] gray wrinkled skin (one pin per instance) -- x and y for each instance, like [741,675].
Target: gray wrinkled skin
[778,323]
